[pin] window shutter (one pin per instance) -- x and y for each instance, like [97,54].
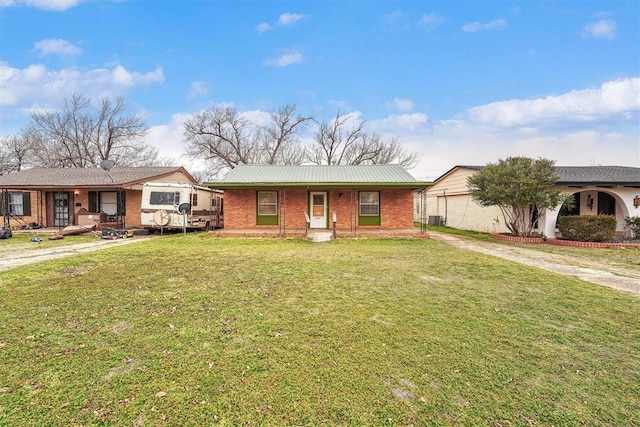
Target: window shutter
[26,203]
[93,201]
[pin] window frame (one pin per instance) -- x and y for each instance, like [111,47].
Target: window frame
[267,218]
[369,219]
[18,203]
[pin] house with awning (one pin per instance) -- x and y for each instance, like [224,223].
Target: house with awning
[59,197]
[596,190]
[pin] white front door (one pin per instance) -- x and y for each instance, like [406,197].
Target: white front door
[318,210]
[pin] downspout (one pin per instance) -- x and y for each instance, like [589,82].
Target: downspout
[446,206]
[423,210]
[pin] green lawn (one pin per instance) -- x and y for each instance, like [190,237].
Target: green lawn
[194,330]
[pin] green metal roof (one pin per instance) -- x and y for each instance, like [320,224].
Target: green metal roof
[251,176]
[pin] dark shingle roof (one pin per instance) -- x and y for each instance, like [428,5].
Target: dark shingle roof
[581,175]
[84,177]
[598,175]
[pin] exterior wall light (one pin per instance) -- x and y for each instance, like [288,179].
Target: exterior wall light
[636,202]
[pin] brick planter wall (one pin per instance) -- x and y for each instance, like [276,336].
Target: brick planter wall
[561,242]
[609,245]
[529,240]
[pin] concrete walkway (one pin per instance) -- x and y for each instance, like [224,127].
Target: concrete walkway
[623,278]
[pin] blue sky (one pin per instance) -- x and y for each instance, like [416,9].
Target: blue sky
[461,82]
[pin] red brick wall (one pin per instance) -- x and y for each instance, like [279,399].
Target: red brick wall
[397,208]
[240,209]
[133,203]
[17,224]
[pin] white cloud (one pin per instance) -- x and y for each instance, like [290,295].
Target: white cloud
[284,20]
[124,78]
[445,144]
[57,5]
[285,60]
[168,138]
[401,124]
[603,29]
[22,89]
[289,18]
[402,104]
[432,20]
[263,27]
[56,47]
[579,128]
[613,97]
[198,89]
[478,26]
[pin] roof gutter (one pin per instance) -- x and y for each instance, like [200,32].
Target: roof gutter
[305,185]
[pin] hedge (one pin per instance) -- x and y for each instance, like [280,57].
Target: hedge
[587,228]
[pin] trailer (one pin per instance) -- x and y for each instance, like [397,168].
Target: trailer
[178,206]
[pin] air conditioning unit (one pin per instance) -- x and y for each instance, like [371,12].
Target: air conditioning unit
[435,220]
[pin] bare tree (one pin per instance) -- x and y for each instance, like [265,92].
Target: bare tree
[342,141]
[333,140]
[226,138]
[82,136]
[374,149]
[15,153]
[281,144]
[222,136]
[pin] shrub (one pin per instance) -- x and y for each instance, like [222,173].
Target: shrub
[633,224]
[587,228]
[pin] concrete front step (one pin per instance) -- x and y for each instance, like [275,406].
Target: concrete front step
[320,236]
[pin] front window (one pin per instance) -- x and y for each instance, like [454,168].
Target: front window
[267,203]
[16,206]
[267,208]
[369,203]
[15,203]
[369,208]
[109,202]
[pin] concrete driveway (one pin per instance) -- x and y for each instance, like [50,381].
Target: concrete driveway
[18,257]
[623,278]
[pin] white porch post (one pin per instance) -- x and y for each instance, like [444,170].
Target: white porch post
[550,218]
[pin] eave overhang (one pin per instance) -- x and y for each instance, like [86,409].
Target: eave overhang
[315,185]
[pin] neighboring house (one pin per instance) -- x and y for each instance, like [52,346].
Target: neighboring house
[294,200]
[58,197]
[607,190]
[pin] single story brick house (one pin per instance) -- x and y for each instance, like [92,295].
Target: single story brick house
[278,200]
[607,190]
[58,197]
